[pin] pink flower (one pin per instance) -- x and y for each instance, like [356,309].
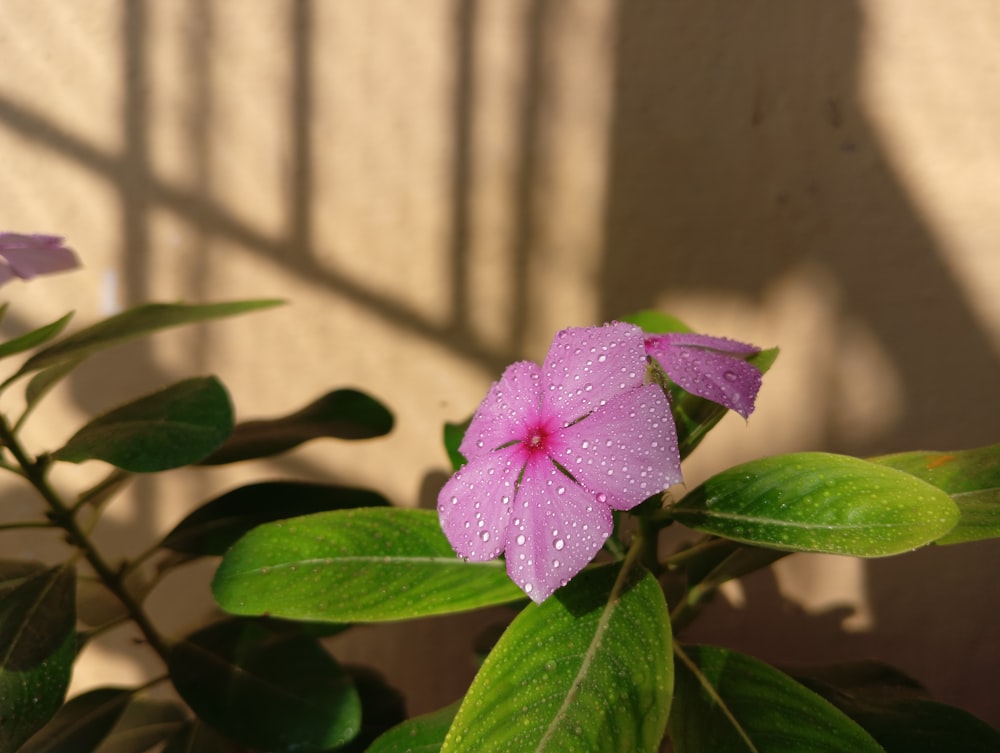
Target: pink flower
[26,256]
[710,367]
[553,450]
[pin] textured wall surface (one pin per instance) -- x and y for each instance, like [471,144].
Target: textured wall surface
[437,187]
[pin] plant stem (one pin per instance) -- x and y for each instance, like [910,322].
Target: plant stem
[62,515]
[26,524]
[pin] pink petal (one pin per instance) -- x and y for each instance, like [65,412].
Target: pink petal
[512,403]
[588,366]
[474,505]
[31,255]
[556,529]
[625,451]
[703,366]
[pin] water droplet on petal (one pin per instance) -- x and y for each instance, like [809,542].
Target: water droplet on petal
[520,540]
[559,544]
[528,588]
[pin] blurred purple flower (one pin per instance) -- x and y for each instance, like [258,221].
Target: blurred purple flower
[711,367]
[26,256]
[553,450]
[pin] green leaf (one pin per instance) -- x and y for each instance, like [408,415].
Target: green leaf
[142,725]
[365,565]
[972,477]
[902,723]
[197,737]
[42,382]
[341,414]
[819,502]
[34,338]
[726,702]
[266,685]
[82,723]
[587,670]
[382,706]
[174,427]
[656,322]
[37,646]
[215,526]
[133,323]
[453,435]
[421,734]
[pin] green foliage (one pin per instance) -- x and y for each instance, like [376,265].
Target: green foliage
[421,734]
[818,502]
[34,338]
[81,724]
[364,565]
[587,670]
[174,427]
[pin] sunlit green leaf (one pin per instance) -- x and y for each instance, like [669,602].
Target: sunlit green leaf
[364,565]
[726,702]
[341,414]
[421,734]
[972,477]
[37,646]
[266,685]
[588,670]
[821,503]
[216,525]
[176,426]
[656,322]
[133,323]
[34,338]
[82,723]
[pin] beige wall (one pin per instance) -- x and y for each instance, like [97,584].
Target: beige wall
[437,187]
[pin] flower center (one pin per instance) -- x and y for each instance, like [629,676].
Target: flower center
[535,441]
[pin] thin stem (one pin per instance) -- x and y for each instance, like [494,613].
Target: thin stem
[681,558]
[62,515]
[27,524]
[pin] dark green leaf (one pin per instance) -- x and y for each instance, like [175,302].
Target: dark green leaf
[142,725]
[587,670]
[40,384]
[819,502]
[902,723]
[197,737]
[34,338]
[382,707]
[37,646]
[82,723]
[972,477]
[453,435]
[266,685]
[421,734]
[341,414]
[726,702]
[215,526]
[365,565]
[177,426]
[133,323]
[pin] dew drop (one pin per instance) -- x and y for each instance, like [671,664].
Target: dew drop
[485,536]
[520,540]
[528,588]
[559,544]
[729,376]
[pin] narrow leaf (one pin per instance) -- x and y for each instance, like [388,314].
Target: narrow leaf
[143,725]
[133,323]
[421,734]
[37,646]
[453,435]
[726,702]
[266,685]
[656,322]
[41,383]
[587,670]
[972,477]
[215,526]
[173,427]
[341,414]
[819,502]
[197,737]
[365,565]
[34,338]
[82,723]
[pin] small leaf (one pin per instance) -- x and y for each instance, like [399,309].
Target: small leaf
[34,338]
[174,427]
[587,670]
[902,723]
[143,725]
[82,723]
[197,737]
[266,685]
[421,734]
[40,384]
[133,323]
[341,414]
[453,435]
[365,565]
[215,526]
[37,646]
[972,477]
[656,322]
[726,702]
[818,502]
[382,707]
